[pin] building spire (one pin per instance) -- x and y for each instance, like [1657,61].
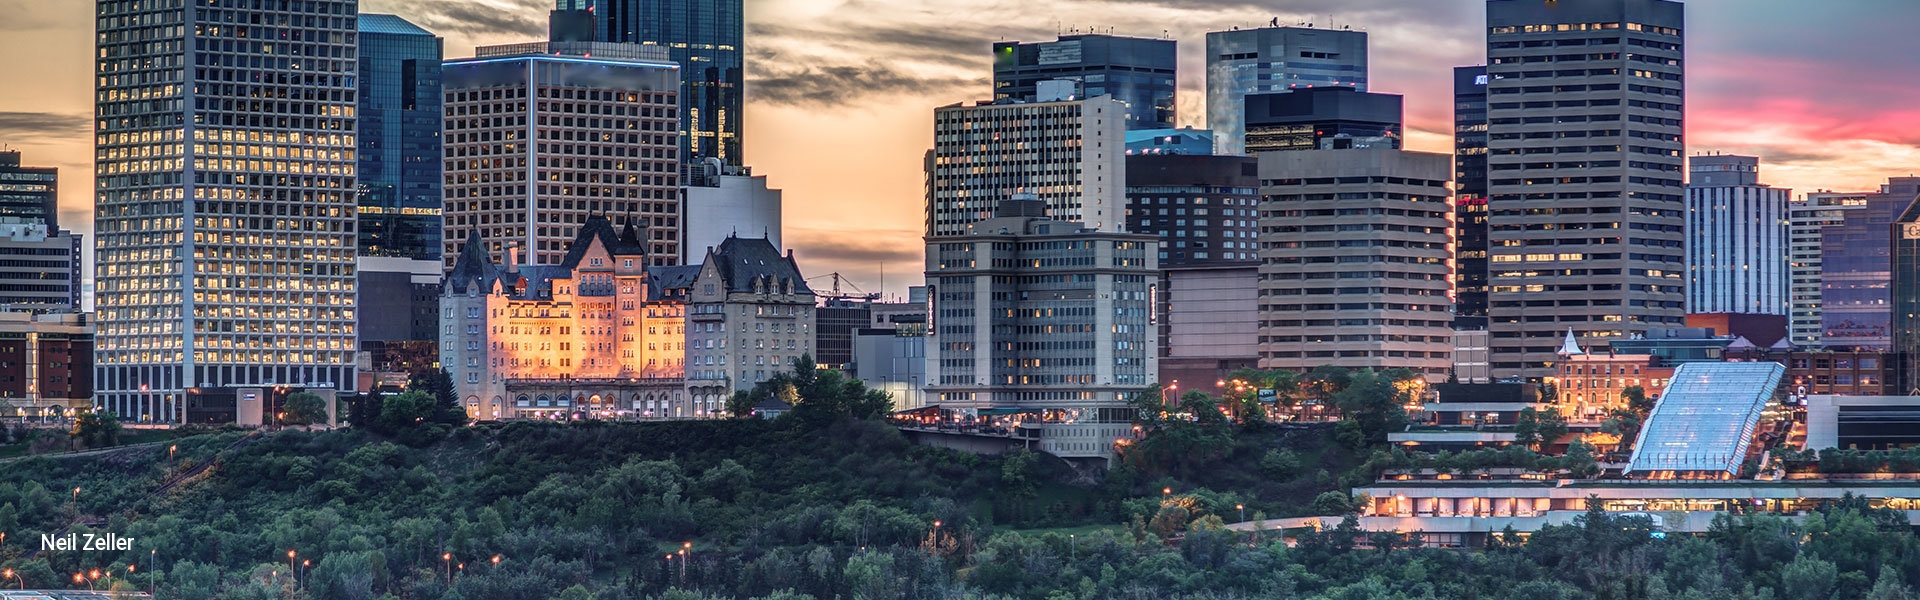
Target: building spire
[1571,347]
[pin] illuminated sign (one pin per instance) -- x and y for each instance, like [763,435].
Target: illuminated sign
[1480,80]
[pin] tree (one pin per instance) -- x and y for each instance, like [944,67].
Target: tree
[446,408]
[406,410]
[819,396]
[1637,400]
[96,429]
[305,408]
[1537,430]
[1327,381]
[740,405]
[1375,402]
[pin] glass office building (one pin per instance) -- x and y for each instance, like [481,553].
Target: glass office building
[1137,71]
[399,139]
[1470,196]
[705,38]
[30,193]
[1856,309]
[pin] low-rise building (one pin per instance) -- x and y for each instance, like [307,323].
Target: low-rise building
[46,365]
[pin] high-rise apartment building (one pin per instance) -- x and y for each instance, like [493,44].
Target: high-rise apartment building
[704,37]
[1470,196]
[1275,59]
[1585,200]
[1856,302]
[1808,219]
[1355,265]
[224,205]
[1322,119]
[1071,154]
[1738,252]
[1137,71]
[399,135]
[31,193]
[542,136]
[1030,312]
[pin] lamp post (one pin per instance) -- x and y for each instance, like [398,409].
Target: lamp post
[9,574]
[290,554]
[1243,512]
[448,559]
[1073,547]
[304,563]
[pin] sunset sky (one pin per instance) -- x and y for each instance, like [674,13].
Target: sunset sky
[841,92]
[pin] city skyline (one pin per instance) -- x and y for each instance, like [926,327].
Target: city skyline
[841,92]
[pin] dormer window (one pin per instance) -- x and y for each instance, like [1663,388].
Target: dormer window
[594,262]
[628,263]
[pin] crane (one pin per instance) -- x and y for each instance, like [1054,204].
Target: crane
[837,295]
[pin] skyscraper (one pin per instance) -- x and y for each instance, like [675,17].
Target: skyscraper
[603,119]
[1322,119]
[1470,196]
[1071,154]
[1585,199]
[1737,246]
[1808,220]
[224,211]
[704,37]
[1905,291]
[31,193]
[1357,273]
[1275,59]
[1137,71]
[399,134]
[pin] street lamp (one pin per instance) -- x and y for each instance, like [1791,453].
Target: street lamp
[1243,512]
[9,574]
[448,559]
[290,554]
[496,560]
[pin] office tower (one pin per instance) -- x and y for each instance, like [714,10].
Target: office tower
[1737,247]
[1586,208]
[399,134]
[1321,119]
[1357,271]
[1275,59]
[224,213]
[603,119]
[587,336]
[1470,198]
[1032,313]
[723,202]
[1808,220]
[749,315]
[1856,306]
[31,193]
[835,322]
[39,267]
[1071,154]
[705,38]
[1136,71]
[1204,210]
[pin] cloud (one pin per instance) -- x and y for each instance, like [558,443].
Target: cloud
[15,126]
[865,248]
[843,84]
[519,18]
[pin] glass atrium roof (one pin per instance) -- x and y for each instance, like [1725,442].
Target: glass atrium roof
[1705,419]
